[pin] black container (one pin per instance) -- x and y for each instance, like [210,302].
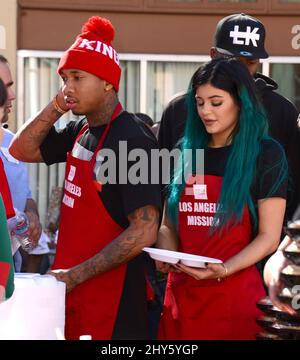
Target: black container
[285,331]
[279,324]
[292,256]
[267,336]
[293,232]
[266,321]
[285,318]
[265,305]
[290,276]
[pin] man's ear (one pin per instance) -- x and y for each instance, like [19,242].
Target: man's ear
[107,86]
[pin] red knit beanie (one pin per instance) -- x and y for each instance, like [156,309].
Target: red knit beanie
[92,52]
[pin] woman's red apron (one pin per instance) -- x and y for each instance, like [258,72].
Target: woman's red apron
[85,229]
[208,309]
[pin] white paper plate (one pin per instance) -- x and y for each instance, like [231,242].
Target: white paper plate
[173,257]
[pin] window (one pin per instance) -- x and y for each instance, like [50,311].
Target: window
[129,91]
[164,80]
[288,78]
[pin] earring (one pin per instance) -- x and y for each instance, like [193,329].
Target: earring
[108,87]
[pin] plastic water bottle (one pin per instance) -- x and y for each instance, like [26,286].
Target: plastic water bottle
[19,226]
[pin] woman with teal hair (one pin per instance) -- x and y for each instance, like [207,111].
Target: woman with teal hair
[233,210]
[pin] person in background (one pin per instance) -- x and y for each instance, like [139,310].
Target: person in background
[281,113]
[104,225]
[17,176]
[6,261]
[146,119]
[4,187]
[232,210]
[149,122]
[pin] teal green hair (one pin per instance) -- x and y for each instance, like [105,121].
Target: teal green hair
[246,143]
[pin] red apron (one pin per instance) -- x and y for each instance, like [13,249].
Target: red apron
[208,309]
[5,193]
[85,229]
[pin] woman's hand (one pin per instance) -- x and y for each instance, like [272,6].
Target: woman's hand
[212,271]
[165,267]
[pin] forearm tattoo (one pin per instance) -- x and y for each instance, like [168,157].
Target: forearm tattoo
[143,227]
[38,129]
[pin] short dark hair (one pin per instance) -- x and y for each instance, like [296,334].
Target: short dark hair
[145,118]
[3,93]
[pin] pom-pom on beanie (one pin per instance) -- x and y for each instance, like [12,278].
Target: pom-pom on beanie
[92,52]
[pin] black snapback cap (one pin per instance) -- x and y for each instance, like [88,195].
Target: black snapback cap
[241,35]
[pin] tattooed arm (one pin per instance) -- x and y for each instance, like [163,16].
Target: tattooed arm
[26,143]
[142,231]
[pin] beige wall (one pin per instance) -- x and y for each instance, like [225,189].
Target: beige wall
[8,40]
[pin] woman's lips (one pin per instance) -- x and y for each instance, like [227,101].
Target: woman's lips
[209,122]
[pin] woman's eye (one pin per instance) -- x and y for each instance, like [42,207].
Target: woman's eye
[200,104]
[217,104]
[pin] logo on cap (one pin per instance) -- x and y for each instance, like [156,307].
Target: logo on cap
[247,35]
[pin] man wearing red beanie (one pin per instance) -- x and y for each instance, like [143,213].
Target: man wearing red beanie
[104,225]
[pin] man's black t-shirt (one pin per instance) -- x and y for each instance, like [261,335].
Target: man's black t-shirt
[120,200]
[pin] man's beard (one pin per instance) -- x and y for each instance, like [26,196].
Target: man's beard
[77,113]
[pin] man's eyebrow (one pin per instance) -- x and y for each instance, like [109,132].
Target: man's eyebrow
[71,72]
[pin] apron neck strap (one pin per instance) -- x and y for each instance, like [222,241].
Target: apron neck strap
[81,132]
[117,111]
